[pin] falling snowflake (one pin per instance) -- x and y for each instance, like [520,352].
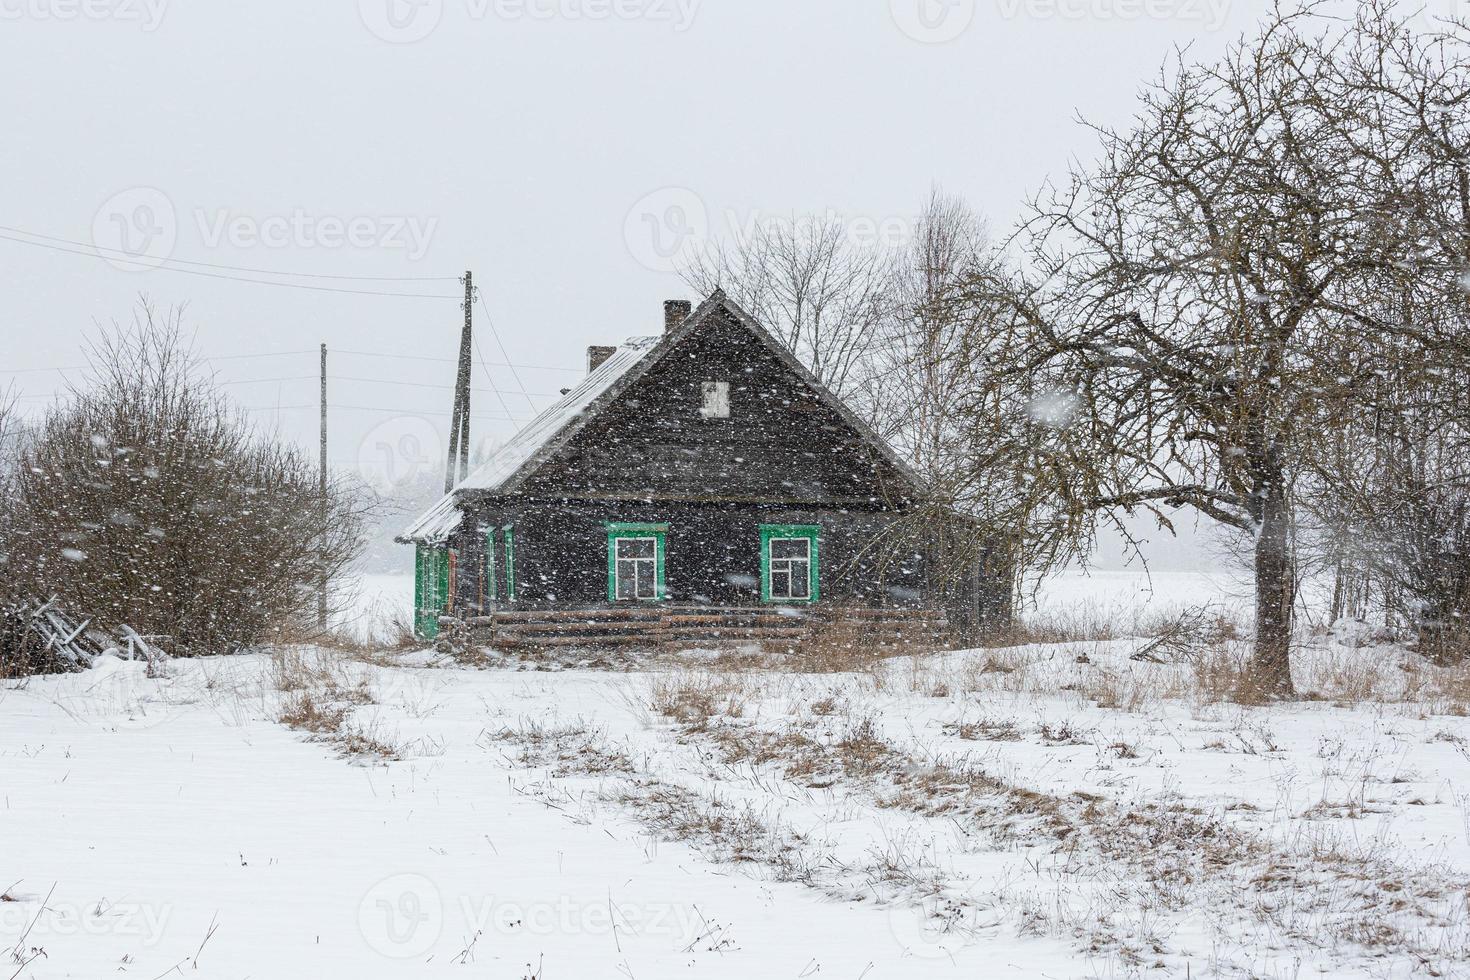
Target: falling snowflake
[1054,409]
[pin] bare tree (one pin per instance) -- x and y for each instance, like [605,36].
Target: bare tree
[144,500]
[821,292]
[939,396]
[8,451]
[1389,493]
[1197,301]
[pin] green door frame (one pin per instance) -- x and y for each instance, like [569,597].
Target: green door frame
[509,533]
[430,589]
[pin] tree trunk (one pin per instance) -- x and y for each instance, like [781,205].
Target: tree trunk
[1270,668]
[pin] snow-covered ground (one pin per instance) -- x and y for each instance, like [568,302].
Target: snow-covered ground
[988,813]
[375,600]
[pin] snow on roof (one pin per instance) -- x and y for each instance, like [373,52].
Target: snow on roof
[436,524]
[439,521]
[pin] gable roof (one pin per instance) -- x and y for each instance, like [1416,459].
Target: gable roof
[439,521]
[513,463]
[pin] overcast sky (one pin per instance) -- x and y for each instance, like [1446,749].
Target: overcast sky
[559,149]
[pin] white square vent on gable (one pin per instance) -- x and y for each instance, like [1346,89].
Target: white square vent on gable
[716,403]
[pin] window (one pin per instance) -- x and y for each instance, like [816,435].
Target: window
[635,562]
[789,563]
[716,403]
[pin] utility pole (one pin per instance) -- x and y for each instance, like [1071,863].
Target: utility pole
[466,371]
[321,594]
[458,461]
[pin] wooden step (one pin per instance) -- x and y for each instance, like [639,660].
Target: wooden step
[577,627]
[715,632]
[562,615]
[754,615]
[570,641]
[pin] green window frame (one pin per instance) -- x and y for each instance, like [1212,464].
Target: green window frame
[780,563]
[430,589]
[509,533]
[624,564]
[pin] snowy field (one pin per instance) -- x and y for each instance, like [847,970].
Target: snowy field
[1052,810]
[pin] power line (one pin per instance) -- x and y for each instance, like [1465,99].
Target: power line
[503,352]
[217,357]
[493,386]
[297,353]
[274,353]
[419,412]
[375,381]
[216,275]
[451,360]
[131,256]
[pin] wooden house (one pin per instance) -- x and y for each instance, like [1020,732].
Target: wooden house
[700,485]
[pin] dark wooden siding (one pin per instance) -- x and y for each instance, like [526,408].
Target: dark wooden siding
[781,443]
[712,555]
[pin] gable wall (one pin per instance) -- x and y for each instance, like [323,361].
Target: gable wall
[780,443]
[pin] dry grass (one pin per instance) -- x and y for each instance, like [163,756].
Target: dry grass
[1193,657]
[322,689]
[331,721]
[299,668]
[1156,861]
[303,711]
[728,832]
[846,644]
[1146,866]
[984,730]
[694,697]
[566,749]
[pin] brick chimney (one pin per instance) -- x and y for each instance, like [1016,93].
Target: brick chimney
[597,355]
[675,312]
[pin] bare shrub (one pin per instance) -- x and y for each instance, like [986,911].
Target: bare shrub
[145,500]
[1180,635]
